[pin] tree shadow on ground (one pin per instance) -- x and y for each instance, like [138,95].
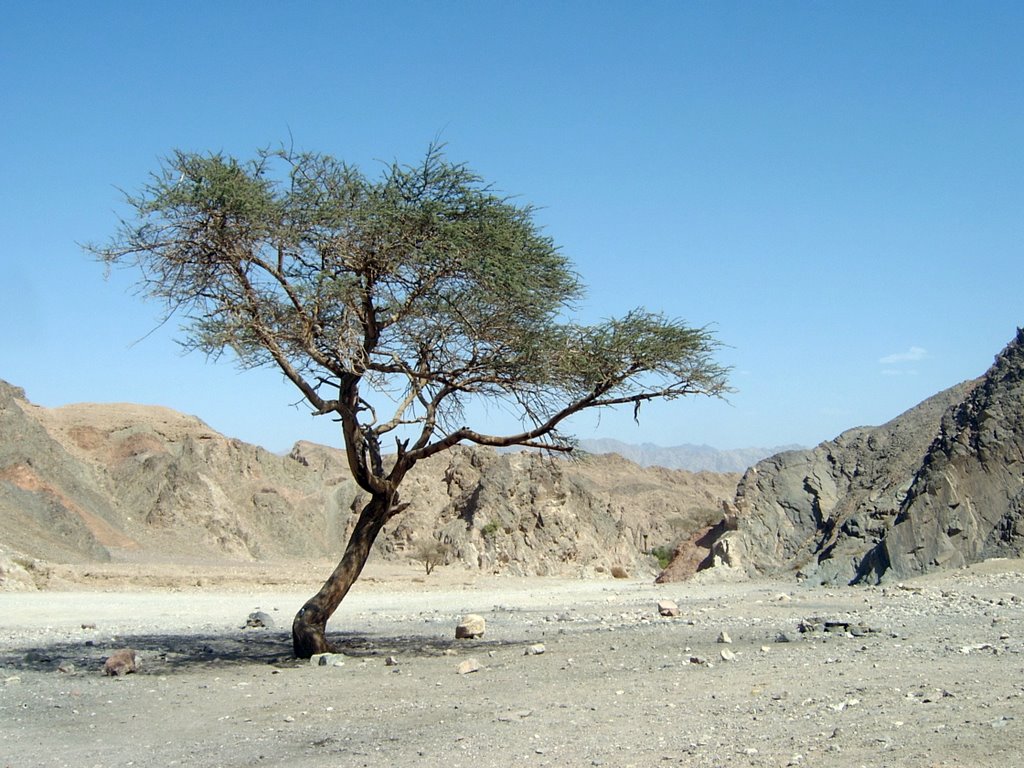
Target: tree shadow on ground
[174,653]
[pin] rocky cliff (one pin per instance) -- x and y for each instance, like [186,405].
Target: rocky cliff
[939,486]
[94,481]
[526,514]
[48,500]
[91,482]
[967,499]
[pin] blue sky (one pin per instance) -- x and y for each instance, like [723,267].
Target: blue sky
[836,187]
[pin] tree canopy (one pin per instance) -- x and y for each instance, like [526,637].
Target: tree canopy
[424,285]
[422,289]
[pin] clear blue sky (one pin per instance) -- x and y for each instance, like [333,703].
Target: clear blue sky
[838,187]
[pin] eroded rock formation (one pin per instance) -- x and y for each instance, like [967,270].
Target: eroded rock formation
[88,482]
[940,486]
[967,499]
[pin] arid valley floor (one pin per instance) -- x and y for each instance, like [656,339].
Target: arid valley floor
[925,673]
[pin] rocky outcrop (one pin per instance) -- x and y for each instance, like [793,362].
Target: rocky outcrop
[967,499]
[815,513]
[708,547]
[527,514]
[174,485]
[940,486]
[49,502]
[90,481]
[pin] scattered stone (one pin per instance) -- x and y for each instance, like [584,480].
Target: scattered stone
[468,666]
[700,661]
[723,637]
[327,660]
[811,625]
[66,667]
[470,627]
[727,655]
[619,572]
[260,619]
[121,662]
[842,705]
[88,625]
[512,717]
[819,625]
[668,608]
[535,650]
[785,637]
[977,647]
[391,661]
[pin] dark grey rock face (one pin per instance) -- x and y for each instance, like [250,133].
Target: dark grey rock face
[940,486]
[967,499]
[815,513]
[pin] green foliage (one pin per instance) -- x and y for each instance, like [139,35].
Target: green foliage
[663,555]
[423,286]
[490,530]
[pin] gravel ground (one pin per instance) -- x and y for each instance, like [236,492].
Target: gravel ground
[928,673]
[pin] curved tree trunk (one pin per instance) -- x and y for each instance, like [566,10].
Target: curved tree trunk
[310,623]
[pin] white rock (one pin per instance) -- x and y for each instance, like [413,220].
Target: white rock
[327,660]
[668,608]
[471,626]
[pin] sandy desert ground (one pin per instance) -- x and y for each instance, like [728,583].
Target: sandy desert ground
[927,673]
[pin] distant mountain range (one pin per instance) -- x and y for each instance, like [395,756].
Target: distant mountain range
[694,458]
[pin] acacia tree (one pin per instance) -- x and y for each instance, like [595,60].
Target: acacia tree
[422,289]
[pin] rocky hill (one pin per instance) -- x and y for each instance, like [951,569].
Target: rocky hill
[967,500]
[97,482]
[939,486]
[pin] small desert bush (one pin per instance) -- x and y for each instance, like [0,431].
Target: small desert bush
[663,555]
[432,553]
